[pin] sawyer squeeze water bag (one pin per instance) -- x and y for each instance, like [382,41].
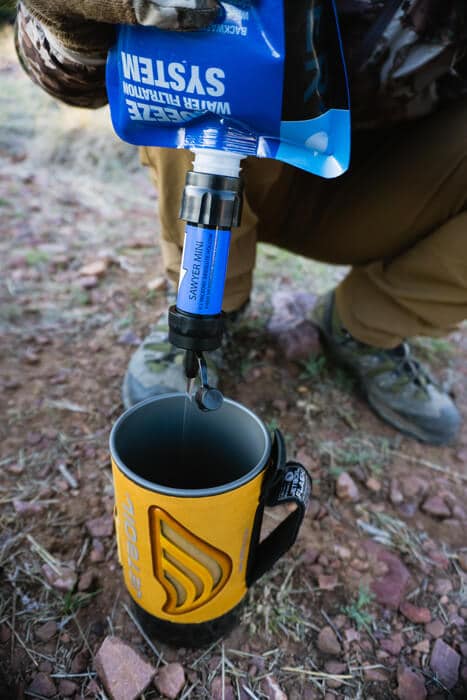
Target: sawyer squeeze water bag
[267,79]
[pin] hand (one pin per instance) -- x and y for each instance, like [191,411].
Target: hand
[165,14]
[79,29]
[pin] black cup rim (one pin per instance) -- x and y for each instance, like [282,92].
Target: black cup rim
[189,493]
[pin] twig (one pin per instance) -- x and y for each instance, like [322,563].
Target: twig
[331,623]
[223,671]
[45,555]
[203,655]
[69,478]
[13,626]
[430,465]
[318,674]
[22,644]
[80,629]
[189,691]
[157,654]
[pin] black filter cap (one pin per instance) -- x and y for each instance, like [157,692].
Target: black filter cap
[192,332]
[212,200]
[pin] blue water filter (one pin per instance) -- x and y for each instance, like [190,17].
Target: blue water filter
[204,269]
[211,206]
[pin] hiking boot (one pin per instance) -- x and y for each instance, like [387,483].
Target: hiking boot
[397,388]
[157,366]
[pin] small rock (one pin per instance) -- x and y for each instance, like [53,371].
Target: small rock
[464,674]
[5,634]
[16,470]
[295,335]
[67,688]
[346,488]
[97,552]
[222,693]
[352,635]
[45,667]
[64,580]
[314,506]
[327,583]
[373,484]
[342,552]
[328,642]
[390,588]
[445,662]
[310,555]
[435,628]
[411,685]
[334,668]
[413,486]
[443,586]
[86,581]
[271,689]
[170,680]
[394,644]
[80,662]
[438,558]
[89,282]
[98,268]
[46,631]
[158,284]
[408,509]
[303,455]
[395,494]
[100,527]
[129,338]
[27,507]
[415,614]
[42,685]
[31,357]
[423,647]
[462,558]
[124,673]
[93,690]
[377,675]
[456,620]
[300,342]
[436,507]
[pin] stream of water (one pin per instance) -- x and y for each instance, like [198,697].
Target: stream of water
[186,422]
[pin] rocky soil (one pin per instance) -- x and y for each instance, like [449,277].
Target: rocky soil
[371,602]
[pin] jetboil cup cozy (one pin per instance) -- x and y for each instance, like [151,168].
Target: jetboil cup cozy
[190,492]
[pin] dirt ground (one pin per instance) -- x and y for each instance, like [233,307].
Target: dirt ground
[327,621]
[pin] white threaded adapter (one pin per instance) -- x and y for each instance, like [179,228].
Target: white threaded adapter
[213,162]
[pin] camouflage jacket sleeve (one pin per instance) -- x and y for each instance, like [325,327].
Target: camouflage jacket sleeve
[75,79]
[405,58]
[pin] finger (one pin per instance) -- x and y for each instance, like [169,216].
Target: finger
[178,14]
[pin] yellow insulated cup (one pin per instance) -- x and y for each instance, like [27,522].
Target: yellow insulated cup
[190,491]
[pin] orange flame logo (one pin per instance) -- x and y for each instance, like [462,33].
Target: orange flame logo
[191,571]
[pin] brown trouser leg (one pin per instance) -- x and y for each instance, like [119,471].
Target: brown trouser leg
[398,217]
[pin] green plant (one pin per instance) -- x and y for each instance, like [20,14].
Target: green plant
[272,425]
[72,602]
[36,257]
[313,367]
[358,611]
[343,380]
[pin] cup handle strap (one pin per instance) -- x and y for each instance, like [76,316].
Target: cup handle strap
[285,483]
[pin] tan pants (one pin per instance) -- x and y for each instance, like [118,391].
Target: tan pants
[399,217]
